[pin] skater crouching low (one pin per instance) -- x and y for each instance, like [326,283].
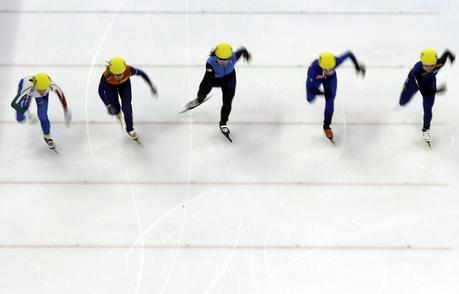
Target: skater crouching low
[38,87]
[220,73]
[322,71]
[422,77]
[115,85]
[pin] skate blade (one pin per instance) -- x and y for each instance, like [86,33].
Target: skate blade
[121,123]
[428,144]
[54,149]
[227,137]
[137,141]
[332,141]
[52,146]
[188,109]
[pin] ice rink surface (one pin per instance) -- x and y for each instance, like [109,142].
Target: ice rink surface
[280,210]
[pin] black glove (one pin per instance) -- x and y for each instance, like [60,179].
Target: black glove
[246,55]
[441,89]
[112,110]
[360,68]
[154,91]
[452,57]
[320,92]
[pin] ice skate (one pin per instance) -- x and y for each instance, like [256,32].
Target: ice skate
[329,134]
[426,136]
[133,135]
[194,103]
[31,118]
[226,132]
[49,141]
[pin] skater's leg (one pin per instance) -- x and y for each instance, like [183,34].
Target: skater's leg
[126,106]
[24,104]
[205,87]
[427,104]
[228,90]
[409,90]
[109,95]
[330,93]
[42,111]
[312,88]
[20,117]
[328,113]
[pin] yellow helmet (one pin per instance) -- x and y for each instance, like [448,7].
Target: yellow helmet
[117,65]
[327,60]
[41,81]
[223,51]
[429,56]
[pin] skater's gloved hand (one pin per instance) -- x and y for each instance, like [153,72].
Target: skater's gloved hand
[31,118]
[154,92]
[452,57]
[320,92]
[360,68]
[112,110]
[247,56]
[67,117]
[441,89]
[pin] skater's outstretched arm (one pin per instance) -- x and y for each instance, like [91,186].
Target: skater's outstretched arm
[138,72]
[56,89]
[359,67]
[244,53]
[444,57]
[67,114]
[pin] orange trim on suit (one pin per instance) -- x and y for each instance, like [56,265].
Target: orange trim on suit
[110,78]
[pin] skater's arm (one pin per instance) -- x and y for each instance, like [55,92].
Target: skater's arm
[56,89]
[20,85]
[24,86]
[416,74]
[441,89]
[138,72]
[442,60]
[209,75]
[417,77]
[67,114]
[22,96]
[421,86]
[103,88]
[312,83]
[244,53]
[359,67]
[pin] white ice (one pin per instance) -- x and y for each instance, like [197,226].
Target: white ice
[280,210]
